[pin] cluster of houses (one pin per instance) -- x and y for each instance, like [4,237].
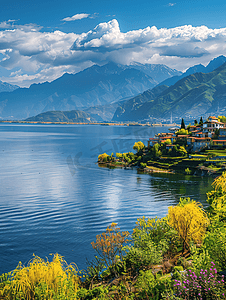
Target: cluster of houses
[211,133]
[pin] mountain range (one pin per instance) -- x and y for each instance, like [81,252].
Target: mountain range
[94,86]
[7,87]
[192,96]
[213,64]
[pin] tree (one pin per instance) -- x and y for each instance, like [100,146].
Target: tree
[201,121]
[195,122]
[138,146]
[189,220]
[109,244]
[182,124]
[182,132]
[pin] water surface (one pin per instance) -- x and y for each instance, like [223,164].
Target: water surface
[55,198]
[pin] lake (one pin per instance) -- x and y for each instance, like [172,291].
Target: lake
[55,199]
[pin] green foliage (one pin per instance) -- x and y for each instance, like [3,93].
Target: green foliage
[143,165]
[215,243]
[201,121]
[138,146]
[182,131]
[151,239]
[187,171]
[217,199]
[98,293]
[146,286]
[222,119]
[167,142]
[109,245]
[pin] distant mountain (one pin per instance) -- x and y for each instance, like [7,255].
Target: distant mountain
[213,64]
[127,111]
[158,72]
[104,112]
[62,116]
[7,87]
[192,96]
[97,85]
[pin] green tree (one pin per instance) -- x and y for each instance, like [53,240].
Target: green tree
[138,146]
[182,124]
[201,121]
[196,123]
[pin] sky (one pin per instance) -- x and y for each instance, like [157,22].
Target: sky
[42,40]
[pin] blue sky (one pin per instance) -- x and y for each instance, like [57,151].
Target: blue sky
[41,40]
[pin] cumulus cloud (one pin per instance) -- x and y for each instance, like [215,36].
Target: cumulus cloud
[44,56]
[76,17]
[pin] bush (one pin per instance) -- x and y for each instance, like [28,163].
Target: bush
[109,245]
[217,199]
[205,284]
[54,280]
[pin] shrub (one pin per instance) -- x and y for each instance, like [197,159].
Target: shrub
[205,284]
[103,157]
[146,286]
[138,146]
[55,280]
[217,199]
[215,243]
[109,245]
[151,241]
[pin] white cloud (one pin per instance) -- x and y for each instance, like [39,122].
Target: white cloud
[171,4]
[76,17]
[44,56]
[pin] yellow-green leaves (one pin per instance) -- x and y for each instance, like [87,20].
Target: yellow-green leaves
[189,220]
[217,198]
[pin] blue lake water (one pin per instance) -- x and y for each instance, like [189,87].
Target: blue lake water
[55,199]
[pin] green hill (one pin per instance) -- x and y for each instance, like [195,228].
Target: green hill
[76,116]
[193,95]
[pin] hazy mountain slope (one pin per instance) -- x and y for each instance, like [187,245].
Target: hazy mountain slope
[97,85]
[127,111]
[193,95]
[213,64]
[158,72]
[7,87]
[104,112]
[62,116]
[93,86]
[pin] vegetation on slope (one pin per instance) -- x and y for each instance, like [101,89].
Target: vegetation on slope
[194,95]
[76,116]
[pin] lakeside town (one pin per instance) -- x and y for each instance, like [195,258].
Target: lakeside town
[198,149]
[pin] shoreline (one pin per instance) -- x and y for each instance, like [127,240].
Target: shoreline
[90,123]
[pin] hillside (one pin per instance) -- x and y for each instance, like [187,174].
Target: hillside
[194,95]
[127,111]
[7,87]
[62,116]
[97,85]
[212,65]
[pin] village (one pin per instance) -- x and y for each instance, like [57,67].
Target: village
[210,134]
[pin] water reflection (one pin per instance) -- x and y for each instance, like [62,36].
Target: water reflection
[181,186]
